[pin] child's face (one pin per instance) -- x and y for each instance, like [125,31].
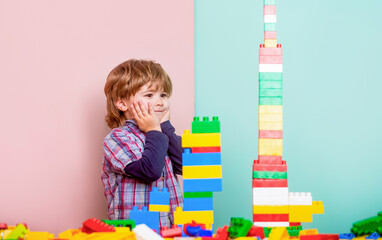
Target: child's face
[156,96]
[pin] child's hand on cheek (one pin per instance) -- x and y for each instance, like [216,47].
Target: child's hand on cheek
[145,118]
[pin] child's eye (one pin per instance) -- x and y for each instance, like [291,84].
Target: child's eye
[148,95]
[163,95]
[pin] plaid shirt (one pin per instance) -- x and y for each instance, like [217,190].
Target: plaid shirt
[122,146]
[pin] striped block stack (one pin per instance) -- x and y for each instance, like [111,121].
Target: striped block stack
[273,205]
[202,171]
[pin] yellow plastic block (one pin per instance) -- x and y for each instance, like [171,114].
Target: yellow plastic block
[300,213]
[318,207]
[200,139]
[111,235]
[245,238]
[270,117]
[159,208]
[276,209]
[197,172]
[270,109]
[182,217]
[278,233]
[270,146]
[39,236]
[308,232]
[270,125]
[122,230]
[360,237]
[68,234]
[270,42]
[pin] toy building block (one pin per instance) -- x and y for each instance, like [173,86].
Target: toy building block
[198,204]
[198,172]
[271,76]
[202,185]
[368,226]
[269,200]
[151,219]
[68,234]
[270,158]
[271,134]
[271,192]
[270,174]
[271,126]
[270,67]
[239,227]
[300,213]
[317,207]
[159,208]
[271,60]
[18,232]
[269,2]
[278,233]
[183,217]
[197,159]
[256,231]
[270,35]
[300,198]
[96,225]
[206,126]
[275,209]
[374,235]
[198,195]
[320,237]
[200,139]
[263,51]
[270,84]
[222,233]
[269,183]
[294,231]
[159,197]
[270,9]
[270,19]
[120,223]
[270,43]
[275,167]
[270,217]
[271,117]
[175,231]
[308,232]
[144,232]
[205,149]
[270,101]
[347,236]
[271,224]
[270,27]
[270,146]
[39,236]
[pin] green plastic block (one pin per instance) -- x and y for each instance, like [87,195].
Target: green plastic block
[270,76]
[272,175]
[198,195]
[269,27]
[269,2]
[206,126]
[18,233]
[368,226]
[270,84]
[270,101]
[271,92]
[294,231]
[267,230]
[239,227]
[121,223]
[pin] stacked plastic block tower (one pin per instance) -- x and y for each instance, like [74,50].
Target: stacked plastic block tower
[273,204]
[202,171]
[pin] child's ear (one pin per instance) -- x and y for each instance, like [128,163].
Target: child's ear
[122,104]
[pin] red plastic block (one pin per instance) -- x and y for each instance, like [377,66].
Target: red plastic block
[291,224]
[270,59]
[273,167]
[3,226]
[256,231]
[277,51]
[270,35]
[175,231]
[269,183]
[270,133]
[222,233]
[270,217]
[269,9]
[270,159]
[205,149]
[320,237]
[96,225]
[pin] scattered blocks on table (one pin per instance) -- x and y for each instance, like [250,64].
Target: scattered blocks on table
[239,227]
[96,225]
[144,232]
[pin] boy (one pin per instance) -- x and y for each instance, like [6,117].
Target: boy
[142,150]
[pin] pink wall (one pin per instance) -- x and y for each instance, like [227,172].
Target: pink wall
[54,59]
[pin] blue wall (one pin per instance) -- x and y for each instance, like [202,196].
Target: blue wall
[332,101]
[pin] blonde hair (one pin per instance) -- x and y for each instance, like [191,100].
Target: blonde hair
[126,79]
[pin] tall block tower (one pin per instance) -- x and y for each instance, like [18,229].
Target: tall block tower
[273,204]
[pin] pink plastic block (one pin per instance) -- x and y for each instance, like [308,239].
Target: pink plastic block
[269,167]
[270,133]
[269,159]
[257,183]
[277,51]
[270,10]
[270,59]
[270,35]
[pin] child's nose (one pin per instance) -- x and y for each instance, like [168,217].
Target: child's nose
[158,101]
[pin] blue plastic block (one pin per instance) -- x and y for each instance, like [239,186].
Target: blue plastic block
[205,233]
[374,235]
[202,185]
[200,159]
[198,204]
[151,219]
[159,198]
[193,231]
[346,236]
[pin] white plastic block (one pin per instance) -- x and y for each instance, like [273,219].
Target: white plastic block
[270,191]
[300,198]
[271,224]
[269,18]
[143,232]
[270,67]
[270,201]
